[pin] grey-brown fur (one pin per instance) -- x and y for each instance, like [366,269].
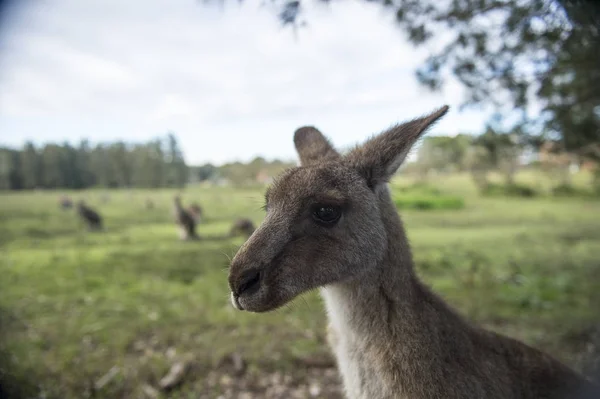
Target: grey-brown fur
[65,202]
[242,226]
[196,212]
[89,216]
[311,144]
[185,221]
[392,336]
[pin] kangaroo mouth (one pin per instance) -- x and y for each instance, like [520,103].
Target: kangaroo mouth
[235,301]
[262,301]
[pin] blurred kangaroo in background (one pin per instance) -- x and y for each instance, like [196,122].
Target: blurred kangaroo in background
[185,221]
[89,216]
[242,226]
[65,202]
[331,223]
[196,212]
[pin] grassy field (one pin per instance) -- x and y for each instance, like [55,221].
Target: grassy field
[107,314]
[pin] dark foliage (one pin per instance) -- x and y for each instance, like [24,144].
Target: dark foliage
[509,54]
[158,163]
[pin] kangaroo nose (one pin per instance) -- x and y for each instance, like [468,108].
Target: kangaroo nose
[249,282]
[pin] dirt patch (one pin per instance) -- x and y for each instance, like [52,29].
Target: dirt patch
[308,383]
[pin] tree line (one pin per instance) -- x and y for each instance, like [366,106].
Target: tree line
[499,152]
[256,171]
[155,164]
[158,163]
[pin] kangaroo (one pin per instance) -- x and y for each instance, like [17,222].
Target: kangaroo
[65,202]
[89,216]
[331,224]
[196,211]
[185,221]
[243,227]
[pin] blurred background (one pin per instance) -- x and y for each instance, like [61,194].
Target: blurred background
[111,109]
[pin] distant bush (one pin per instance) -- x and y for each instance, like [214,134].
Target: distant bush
[421,196]
[423,202]
[509,190]
[568,190]
[421,188]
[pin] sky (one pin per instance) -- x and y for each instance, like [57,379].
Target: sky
[231,82]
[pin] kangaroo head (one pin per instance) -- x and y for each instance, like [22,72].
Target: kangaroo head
[323,221]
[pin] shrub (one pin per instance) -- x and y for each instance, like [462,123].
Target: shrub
[421,196]
[568,190]
[421,188]
[428,202]
[520,190]
[509,190]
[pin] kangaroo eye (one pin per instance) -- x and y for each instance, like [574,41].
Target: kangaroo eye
[326,214]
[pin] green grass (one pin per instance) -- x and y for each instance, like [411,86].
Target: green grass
[569,190]
[424,202]
[510,190]
[74,304]
[424,197]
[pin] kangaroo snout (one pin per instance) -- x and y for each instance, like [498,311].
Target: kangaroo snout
[249,282]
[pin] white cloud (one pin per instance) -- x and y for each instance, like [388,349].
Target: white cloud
[232,84]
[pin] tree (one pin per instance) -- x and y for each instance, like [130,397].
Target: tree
[83,164]
[204,172]
[68,167]
[495,150]
[54,176]
[237,173]
[99,162]
[256,166]
[148,165]
[120,163]
[10,170]
[444,153]
[177,171]
[31,166]
[105,165]
[510,54]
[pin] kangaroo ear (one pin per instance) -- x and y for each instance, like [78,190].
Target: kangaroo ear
[381,156]
[313,147]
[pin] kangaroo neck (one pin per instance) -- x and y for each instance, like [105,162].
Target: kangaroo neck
[379,297]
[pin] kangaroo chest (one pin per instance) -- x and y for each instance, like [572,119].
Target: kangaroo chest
[360,362]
